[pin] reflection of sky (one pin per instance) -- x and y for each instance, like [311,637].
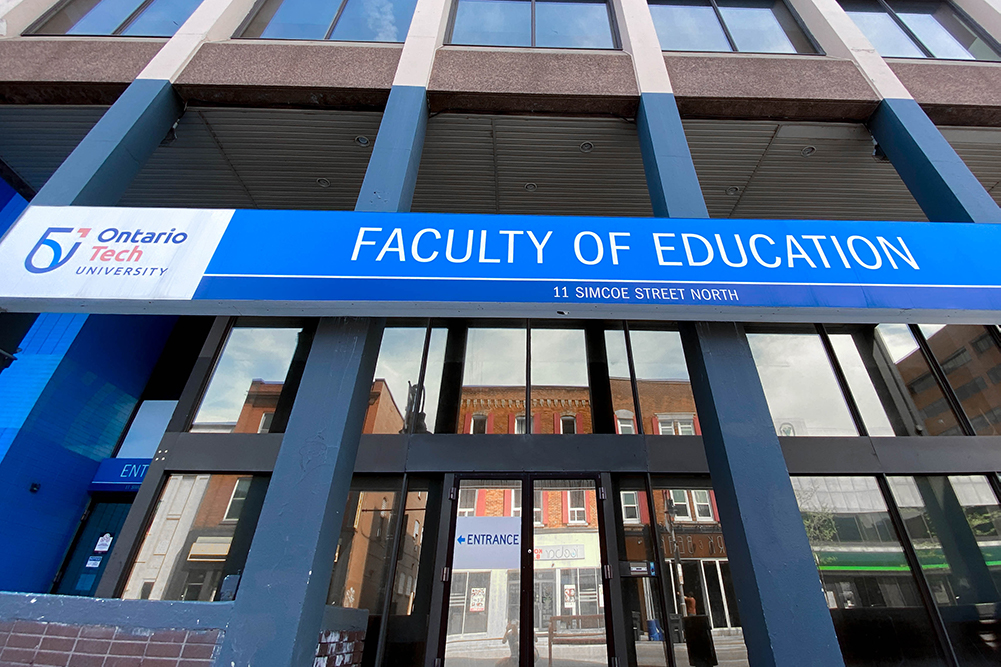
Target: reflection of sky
[881,31]
[935,36]
[162,18]
[400,361]
[799,383]
[495,357]
[572,25]
[493,23]
[873,414]
[756,29]
[615,350]
[688,28]
[898,340]
[301,19]
[104,17]
[250,353]
[432,381]
[658,355]
[375,20]
[844,495]
[146,430]
[559,357]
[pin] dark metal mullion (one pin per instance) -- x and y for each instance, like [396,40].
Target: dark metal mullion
[726,30]
[419,396]
[924,588]
[839,372]
[632,379]
[907,31]
[130,19]
[527,578]
[528,372]
[387,599]
[943,381]
[533,22]
[337,17]
[995,334]
[662,562]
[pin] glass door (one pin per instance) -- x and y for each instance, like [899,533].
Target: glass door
[545,533]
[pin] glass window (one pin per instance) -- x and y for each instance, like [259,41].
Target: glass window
[924,401]
[761,26]
[516,502]
[860,383]
[909,29]
[679,498]
[703,505]
[409,555]
[576,505]
[394,389]
[561,398]
[662,382]
[493,380]
[185,554]
[870,589]
[626,425]
[537,507]
[971,371]
[630,506]
[560,24]
[800,386]
[160,18]
[620,384]
[341,20]
[146,430]
[467,502]
[248,379]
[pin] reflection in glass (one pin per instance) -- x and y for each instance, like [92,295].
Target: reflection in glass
[688,25]
[870,588]
[362,559]
[666,400]
[941,31]
[561,400]
[873,413]
[484,598]
[579,25]
[493,23]
[408,616]
[186,552]
[161,18]
[247,381]
[881,30]
[703,600]
[394,389]
[493,382]
[569,613]
[763,26]
[971,360]
[356,20]
[953,524]
[618,376]
[920,389]
[802,392]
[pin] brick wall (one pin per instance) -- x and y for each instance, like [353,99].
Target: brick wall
[34,643]
[340,648]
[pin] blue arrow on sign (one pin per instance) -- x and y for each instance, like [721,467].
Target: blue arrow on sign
[462,539]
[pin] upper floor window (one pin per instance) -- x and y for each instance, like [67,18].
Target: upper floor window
[762,26]
[919,30]
[134,18]
[548,23]
[345,20]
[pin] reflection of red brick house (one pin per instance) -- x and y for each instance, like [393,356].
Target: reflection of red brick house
[383,414]
[972,363]
[259,408]
[362,550]
[668,406]
[570,506]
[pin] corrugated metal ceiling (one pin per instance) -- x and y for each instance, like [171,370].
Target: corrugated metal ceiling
[980,149]
[34,140]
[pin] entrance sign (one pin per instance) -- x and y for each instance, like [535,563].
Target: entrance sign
[353,263]
[487,543]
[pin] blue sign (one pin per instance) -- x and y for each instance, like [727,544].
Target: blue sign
[120,475]
[568,261]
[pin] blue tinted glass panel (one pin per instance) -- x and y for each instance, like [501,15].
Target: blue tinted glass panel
[375,21]
[935,37]
[755,27]
[942,31]
[104,18]
[302,19]
[493,23]
[884,34]
[689,27]
[162,18]
[581,25]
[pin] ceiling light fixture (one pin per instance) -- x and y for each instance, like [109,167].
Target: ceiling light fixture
[323,182]
[808,151]
[732,190]
[531,187]
[362,140]
[586,147]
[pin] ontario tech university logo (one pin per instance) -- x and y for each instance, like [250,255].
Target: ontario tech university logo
[56,249]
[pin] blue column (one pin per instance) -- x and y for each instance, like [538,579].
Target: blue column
[782,608]
[66,400]
[939,180]
[392,170]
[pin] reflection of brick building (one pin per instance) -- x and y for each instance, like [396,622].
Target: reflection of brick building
[972,363]
[259,408]
[383,414]
[363,550]
[668,406]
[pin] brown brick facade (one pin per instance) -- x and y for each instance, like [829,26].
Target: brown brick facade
[340,648]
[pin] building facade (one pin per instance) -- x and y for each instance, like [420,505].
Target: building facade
[506,465]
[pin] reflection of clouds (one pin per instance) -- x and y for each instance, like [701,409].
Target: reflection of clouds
[930,330]
[569,24]
[658,355]
[432,380]
[493,22]
[615,350]
[756,29]
[495,357]
[559,357]
[400,361]
[898,340]
[250,353]
[799,383]
[381,20]
[688,28]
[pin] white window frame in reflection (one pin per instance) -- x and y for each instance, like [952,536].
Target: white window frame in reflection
[478,420]
[576,514]
[563,420]
[464,509]
[232,496]
[705,504]
[632,502]
[686,503]
[537,516]
[516,506]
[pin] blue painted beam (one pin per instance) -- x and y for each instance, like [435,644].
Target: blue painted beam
[944,187]
[782,608]
[103,164]
[670,174]
[392,169]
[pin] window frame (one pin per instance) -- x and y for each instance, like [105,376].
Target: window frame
[33,29]
[612,25]
[814,44]
[964,18]
[260,4]
[571,508]
[232,496]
